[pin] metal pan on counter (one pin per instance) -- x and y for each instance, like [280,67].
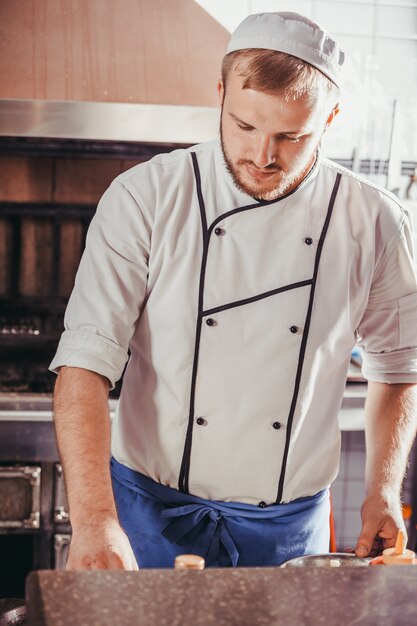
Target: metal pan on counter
[12,612]
[333,559]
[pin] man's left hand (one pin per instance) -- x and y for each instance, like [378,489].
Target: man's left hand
[381,520]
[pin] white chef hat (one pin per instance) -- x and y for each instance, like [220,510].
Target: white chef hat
[294,34]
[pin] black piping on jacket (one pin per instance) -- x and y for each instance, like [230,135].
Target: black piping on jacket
[303,345]
[183,482]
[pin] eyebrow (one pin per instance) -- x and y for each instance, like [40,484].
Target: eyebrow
[237,119]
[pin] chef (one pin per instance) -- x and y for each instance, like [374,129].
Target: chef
[234,278]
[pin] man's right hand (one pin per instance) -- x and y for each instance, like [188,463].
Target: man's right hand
[82,424]
[100,546]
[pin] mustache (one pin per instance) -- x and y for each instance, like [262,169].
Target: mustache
[272,167]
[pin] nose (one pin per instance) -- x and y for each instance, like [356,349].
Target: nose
[264,153]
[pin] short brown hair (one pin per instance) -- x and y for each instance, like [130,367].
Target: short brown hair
[276,72]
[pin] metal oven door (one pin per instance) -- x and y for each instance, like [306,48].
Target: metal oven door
[20,496]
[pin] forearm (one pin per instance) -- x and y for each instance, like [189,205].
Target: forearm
[82,427]
[390,426]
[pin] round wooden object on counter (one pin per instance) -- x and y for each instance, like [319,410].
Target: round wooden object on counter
[189,561]
[390,557]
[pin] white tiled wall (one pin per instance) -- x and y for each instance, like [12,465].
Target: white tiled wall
[394,20]
[348,489]
[345,17]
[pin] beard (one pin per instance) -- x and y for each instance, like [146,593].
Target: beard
[287,182]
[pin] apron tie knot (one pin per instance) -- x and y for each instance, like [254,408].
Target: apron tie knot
[203,524]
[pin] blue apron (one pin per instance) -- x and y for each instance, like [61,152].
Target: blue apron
[162,522]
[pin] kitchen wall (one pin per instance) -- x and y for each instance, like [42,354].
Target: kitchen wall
[100,50]
[379,27]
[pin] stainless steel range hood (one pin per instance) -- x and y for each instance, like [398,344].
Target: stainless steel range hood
[107,121]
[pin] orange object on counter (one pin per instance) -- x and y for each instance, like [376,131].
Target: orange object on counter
[399,555]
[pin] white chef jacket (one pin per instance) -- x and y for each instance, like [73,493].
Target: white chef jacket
[240,317]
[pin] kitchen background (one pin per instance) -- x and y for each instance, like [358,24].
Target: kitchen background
[62,141]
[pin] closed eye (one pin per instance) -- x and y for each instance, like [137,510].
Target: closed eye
[247,128]
[244,127]
[291,139]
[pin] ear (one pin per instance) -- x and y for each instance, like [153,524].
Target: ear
[332,115]
[220,91]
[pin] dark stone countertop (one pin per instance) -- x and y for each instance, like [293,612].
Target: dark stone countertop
[378,596]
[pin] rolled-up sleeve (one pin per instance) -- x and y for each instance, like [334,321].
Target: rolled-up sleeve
[387,333]
[110,287]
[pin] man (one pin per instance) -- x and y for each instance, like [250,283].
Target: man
[239,274]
